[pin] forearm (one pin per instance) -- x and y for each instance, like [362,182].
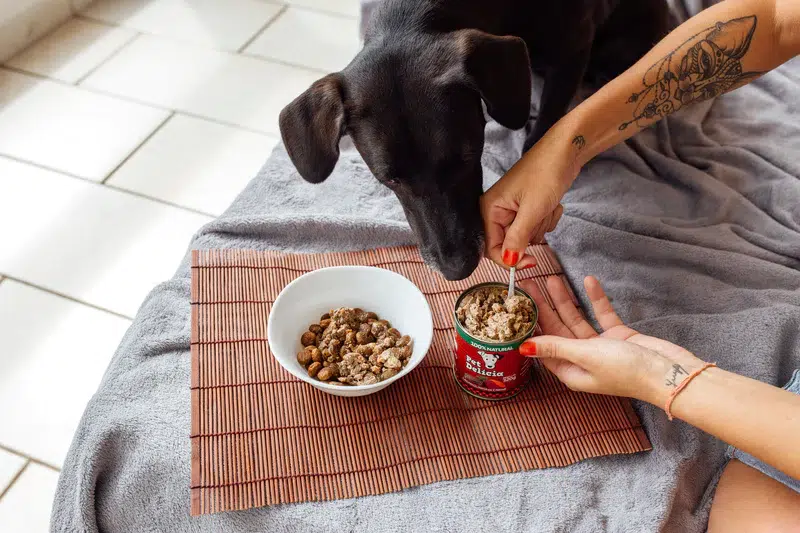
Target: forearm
[722,48]
[757,418]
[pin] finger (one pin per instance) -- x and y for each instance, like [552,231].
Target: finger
[555,218]
[570,315]
[570,374]
[538,235]
[494,234]
[527,261]
[525,226]
[548,319]
[575,351]
[603,310]
[495,221]
[547,225]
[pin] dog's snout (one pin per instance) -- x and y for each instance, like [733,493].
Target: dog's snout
[458,268]
[448,227]
[453,246]
[456,256]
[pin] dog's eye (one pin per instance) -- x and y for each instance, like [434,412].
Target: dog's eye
[391,183]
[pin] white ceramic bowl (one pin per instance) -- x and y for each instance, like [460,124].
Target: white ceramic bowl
[303,301]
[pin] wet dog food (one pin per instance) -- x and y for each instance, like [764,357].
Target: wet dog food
[353,347]
[488,313]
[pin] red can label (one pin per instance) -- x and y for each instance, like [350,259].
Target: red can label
[494,375]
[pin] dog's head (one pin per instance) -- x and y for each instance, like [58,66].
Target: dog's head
[490,359]
[412,106]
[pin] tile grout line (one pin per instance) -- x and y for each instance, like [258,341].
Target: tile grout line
[158,200]
[187,43]
[336,14]
[228,124]
[130,100]
[111,56]
[138,147]
[83,77]
[29,458]
[66,297]
[107,185]
[40,39]
[263,28]
[267,59]
[34,75]
[15,478]
[239,52]
[33,460]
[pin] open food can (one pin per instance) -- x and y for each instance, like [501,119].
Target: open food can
[486,368]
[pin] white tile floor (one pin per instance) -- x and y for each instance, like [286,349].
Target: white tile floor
[121,133]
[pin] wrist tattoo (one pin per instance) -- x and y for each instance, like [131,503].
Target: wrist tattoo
[675,374]
[705,66]
[579,142]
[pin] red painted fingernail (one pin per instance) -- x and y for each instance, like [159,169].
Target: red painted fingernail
[510,257]
[533,265]
[528,349]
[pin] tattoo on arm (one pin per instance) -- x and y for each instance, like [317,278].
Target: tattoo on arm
[579,142]
[675,374]
[705,66]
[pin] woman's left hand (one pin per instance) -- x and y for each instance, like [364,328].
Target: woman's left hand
[620,361]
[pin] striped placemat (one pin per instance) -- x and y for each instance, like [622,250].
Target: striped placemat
[259,436]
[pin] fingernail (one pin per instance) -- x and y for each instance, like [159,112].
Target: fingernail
[528,349]
[528,266]
[510,257]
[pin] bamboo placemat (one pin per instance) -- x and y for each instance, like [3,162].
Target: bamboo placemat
[262,437]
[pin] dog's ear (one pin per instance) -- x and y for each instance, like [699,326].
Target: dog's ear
[311,127]
[500,70]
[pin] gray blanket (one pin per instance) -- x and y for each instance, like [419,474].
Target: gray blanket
[693,226]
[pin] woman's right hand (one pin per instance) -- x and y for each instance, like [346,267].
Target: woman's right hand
[525,203]
[619,361]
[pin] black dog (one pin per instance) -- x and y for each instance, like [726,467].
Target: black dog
[411,99]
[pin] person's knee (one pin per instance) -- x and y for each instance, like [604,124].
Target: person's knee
[747,500]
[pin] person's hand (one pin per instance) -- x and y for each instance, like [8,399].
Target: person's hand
[620,361]
[525,203]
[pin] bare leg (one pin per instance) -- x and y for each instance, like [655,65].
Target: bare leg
[748,501]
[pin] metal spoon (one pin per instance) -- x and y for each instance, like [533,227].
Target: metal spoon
[511,282]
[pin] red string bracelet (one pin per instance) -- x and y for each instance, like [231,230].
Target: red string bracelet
[682,386]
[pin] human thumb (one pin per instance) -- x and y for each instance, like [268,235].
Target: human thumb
[552,347]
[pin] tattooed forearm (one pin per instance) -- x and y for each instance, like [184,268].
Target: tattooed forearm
[675,375]
[579,142]
[707,65]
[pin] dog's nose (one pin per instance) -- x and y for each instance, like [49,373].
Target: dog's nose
[458,268]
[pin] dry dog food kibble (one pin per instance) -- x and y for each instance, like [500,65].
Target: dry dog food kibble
[490,314]
[353,347]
